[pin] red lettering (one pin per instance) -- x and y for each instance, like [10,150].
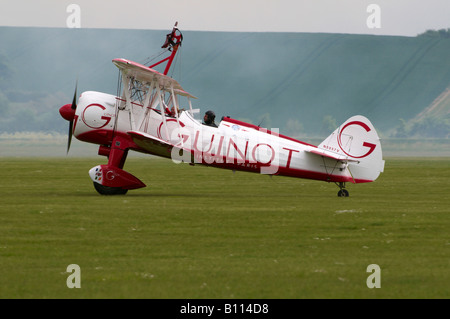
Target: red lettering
[242,155]
[289,156]
[92,123]
[196,140]
[254,153]
[365,144]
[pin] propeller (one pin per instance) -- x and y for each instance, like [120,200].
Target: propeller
[74,108]
[68,113]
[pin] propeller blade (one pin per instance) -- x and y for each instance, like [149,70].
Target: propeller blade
[74,107]
[69,140]
[74,101]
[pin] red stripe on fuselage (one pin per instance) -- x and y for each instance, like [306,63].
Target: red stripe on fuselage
[230,120]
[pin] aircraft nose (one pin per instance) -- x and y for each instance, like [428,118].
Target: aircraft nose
[67,112]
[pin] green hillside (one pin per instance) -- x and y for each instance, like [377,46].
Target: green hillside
[308,76]
[440,108]
[272,79]
[432,122]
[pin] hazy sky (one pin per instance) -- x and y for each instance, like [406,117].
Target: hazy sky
[394,17]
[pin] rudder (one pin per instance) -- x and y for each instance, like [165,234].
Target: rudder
[357,139]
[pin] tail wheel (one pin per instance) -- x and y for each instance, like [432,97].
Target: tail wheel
[343,193]
[107,190]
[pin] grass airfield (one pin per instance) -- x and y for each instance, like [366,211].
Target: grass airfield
[200,232]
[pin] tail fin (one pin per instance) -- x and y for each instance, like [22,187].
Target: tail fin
[358,140]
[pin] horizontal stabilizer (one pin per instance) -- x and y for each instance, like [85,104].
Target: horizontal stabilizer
[331,155]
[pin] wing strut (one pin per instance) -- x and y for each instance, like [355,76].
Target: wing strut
[148,99]
[163,111]
[175,104]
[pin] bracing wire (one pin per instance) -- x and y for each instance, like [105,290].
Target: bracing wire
[175,62]
[150,59]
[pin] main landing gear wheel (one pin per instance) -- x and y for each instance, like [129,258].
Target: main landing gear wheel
[342,192]
[107,190]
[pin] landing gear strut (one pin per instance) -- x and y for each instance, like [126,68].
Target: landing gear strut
[342,191]
[111,179]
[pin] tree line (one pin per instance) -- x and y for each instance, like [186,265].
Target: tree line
[427,127]
[442,34]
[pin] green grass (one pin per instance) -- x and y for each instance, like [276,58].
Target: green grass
[199,232]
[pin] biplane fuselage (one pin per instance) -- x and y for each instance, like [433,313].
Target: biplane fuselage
[154,115]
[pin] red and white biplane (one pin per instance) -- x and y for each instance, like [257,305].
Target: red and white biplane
[153,114]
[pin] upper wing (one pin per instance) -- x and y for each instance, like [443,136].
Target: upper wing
[145,74]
